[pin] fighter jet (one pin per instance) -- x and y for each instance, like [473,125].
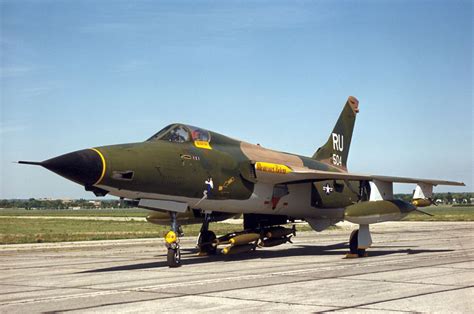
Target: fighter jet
[189,175]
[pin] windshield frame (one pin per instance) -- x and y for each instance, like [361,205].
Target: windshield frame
[195,134]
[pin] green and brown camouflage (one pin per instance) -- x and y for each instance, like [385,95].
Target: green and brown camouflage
[180,166]
[187,171]
[183,161]
[377,211]
[336,150]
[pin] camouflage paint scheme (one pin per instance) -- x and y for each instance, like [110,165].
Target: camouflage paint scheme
[190,175]
[210,172]
[173,170]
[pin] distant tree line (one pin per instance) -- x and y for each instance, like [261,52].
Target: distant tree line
[446,198]
[33,203]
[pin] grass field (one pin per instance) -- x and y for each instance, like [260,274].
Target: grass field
[112,212]
[17,230]
[13,230]
[443,213]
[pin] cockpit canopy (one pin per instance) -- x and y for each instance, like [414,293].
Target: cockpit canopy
[180,133]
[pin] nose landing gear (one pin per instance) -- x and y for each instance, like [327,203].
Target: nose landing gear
[172,243]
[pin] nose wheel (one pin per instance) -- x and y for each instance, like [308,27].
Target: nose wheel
[173,256]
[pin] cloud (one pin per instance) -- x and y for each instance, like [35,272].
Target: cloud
[211,19]
[10,127]
[108,27]
[130,66]
[15,70]
[39,90]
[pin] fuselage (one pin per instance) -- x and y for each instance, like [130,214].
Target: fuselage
[189,171]
[218,174]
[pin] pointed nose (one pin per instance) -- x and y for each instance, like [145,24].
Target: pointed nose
[85,167]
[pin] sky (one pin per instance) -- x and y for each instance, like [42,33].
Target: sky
[79,74]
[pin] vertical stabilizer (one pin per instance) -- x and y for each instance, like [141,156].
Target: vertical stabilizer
[336,149]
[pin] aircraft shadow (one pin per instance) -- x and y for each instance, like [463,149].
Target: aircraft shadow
[189,255]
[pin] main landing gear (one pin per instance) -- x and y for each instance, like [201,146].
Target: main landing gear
[206,238]
[172,243]
[359,241]
[354,245]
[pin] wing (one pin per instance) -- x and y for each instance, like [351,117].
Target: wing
[281,174]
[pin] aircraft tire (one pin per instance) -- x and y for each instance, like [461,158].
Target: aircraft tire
[354,243]
[173,257]
[208,237]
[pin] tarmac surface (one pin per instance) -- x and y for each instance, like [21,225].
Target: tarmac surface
[413,266]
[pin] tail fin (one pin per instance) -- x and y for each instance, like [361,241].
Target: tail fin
[336,149]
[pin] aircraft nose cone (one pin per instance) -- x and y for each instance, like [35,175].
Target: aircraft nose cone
[84,166]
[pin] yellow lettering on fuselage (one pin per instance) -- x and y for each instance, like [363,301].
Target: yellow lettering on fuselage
[273,168]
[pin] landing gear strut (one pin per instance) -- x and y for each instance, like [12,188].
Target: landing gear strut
[172,243]
[206,238]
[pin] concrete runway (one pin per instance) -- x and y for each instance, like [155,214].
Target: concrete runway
[413,266]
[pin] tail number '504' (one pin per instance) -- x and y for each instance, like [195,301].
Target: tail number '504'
[336,160]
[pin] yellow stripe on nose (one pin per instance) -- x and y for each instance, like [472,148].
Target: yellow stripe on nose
[103,165]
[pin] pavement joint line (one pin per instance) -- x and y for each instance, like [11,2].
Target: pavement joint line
[35,290]
[403,298]
[319,269]
[111,304]
[99,292]
[385,310]
[335,308]
[381,263]
[460,268]
[402,282]
[234,278]
[174,295]
[118,291]
[86,263]
[316,279]
[458,271]
[64,297]
[72,264]
[202,295]
[267,301]
[340,265]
